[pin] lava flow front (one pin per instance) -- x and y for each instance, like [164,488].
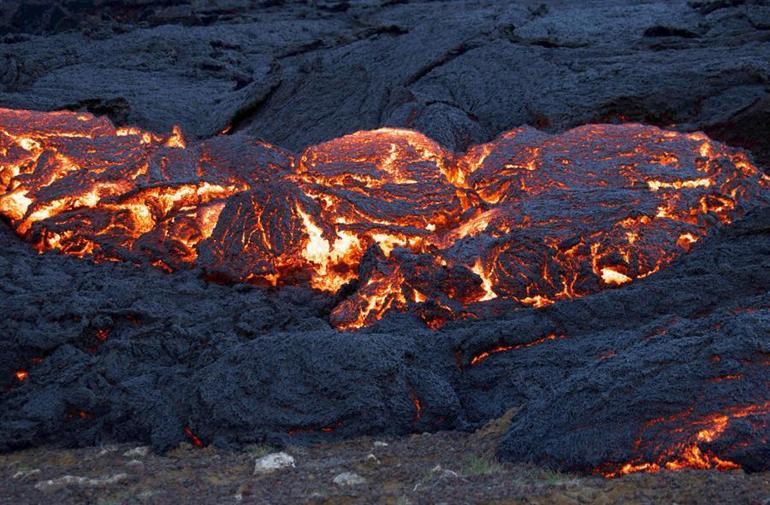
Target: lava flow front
[692,435]
[390,214]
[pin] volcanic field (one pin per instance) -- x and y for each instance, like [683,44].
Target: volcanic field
[163,283]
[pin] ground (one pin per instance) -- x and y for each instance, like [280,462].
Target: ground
[445,467]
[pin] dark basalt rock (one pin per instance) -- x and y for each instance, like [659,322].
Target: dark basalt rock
[239,366]
[298,73]
[119,353]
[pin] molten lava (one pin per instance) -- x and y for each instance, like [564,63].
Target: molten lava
[692,451]
[529,217]
[194,440]
[482,356]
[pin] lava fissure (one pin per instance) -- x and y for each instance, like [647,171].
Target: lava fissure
[528,217]
[482,356]
[328,428]
[417,405]
[194,440]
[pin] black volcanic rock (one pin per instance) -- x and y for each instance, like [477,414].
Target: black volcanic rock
[298,73]
[715,358]
[246,365]
[119,353]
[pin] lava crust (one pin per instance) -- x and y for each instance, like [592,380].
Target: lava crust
[528,217]
[669,372]
[608,284]
[522,235]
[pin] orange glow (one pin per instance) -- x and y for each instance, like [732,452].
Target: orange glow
[417,406]
[74,413]
[176,139]
[486,282]
[528,217]
[197,442]
[608,354]
[689,455]
[536,301]
[482,356]
[728,377]
[308,429]
[694,183]
[379,295]
[611,276]
[686,240]
[21,375]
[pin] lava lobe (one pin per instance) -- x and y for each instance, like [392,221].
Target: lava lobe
[389,214]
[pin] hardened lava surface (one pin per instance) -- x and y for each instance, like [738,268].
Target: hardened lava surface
[510,250]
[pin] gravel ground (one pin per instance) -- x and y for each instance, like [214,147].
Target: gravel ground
[445,467]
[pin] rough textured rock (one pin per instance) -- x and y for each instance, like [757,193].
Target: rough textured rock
[297,73]
[348,479]
[189,360]
[273,462]
[54,485]
[183,366]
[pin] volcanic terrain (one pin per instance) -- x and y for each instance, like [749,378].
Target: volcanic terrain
[285,223]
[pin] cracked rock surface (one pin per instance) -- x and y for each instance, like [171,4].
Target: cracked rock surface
[187,360]
[297,73]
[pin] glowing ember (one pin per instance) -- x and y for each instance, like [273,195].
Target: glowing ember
[329,428]
[21,375]
[74,413]
[611,276]
[417,406]
[692,454]
[482,356]
[529,217]
[194,440]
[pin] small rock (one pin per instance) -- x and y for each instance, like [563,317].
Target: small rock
[317,497]
[377,443]
[72,480]
[273,462]
[438,474]
[371,460]
[135,465]
[349,479]
[23,474]
[444,473]
[137,452]
[107,449]
[244,489]
[146,495]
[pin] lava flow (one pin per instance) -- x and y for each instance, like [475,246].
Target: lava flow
[696,435]
[390,214]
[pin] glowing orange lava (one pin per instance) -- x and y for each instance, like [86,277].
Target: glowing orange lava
[529,217]
[417,406]
[197,442]
[691,454]
[482,356]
